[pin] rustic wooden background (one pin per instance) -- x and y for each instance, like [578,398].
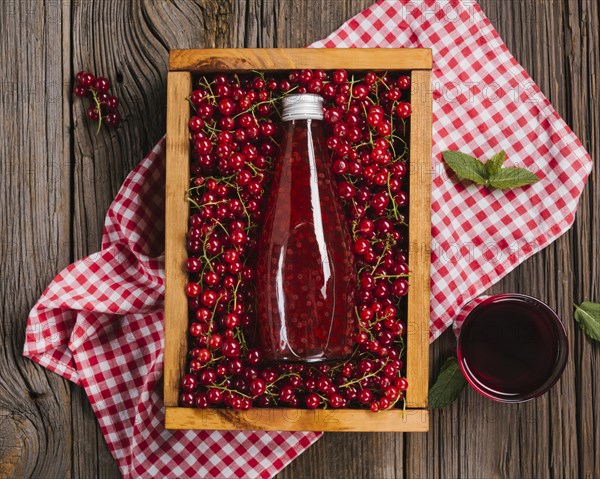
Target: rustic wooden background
[58,178]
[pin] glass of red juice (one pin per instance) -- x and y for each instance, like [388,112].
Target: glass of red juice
[512,348]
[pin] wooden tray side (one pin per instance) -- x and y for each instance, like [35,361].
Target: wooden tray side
[179,86]
[419,237]
[275,59]
[287,419]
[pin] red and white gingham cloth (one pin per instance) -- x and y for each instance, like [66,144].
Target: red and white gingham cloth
[99,324]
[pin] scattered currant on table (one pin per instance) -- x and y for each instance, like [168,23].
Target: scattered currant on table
[105,106]
[234,133]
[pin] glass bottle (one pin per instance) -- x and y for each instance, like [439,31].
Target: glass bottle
[306,273]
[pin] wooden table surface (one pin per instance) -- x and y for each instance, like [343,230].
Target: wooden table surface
[58,179]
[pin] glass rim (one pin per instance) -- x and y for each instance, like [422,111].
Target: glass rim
[560,362]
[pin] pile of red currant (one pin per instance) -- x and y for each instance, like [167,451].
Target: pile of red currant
[234,131]
[105,105]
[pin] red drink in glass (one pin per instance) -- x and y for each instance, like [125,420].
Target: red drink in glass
[306,272]
[512,348]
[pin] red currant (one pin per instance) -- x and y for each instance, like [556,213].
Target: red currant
[189,383]
[192,290]
[231,348]
[340,76]
[258,386]
[360,91]
[312,401]
[403,82]
[101,84]
[403,110]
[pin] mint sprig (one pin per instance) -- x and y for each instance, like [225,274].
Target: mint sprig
[490,173]
[448,385]
[587,314]
[493,165]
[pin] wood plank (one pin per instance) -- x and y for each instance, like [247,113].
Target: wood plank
[128,43]
[115,40]
[419,240]
[578,267]
[278,59]
[87,441]
[541,438]
[35,424]
[176,219]
[287,419]
[544,428]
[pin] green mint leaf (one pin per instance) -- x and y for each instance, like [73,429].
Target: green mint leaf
[587,314]
[512,178]
[448,385]
[494,164]
[466,167]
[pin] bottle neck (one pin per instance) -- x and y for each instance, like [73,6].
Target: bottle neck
[300,121]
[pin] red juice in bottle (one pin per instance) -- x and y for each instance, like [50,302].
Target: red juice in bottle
[306,272]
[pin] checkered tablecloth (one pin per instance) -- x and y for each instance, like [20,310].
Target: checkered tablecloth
[99,324]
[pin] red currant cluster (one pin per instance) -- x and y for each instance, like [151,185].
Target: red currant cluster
[105,105]
[234,134]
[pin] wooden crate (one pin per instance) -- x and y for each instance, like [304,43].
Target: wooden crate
[184,63]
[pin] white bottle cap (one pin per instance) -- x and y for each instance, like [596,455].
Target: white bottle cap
[303,106]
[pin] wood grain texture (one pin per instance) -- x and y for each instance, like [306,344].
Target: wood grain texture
[248,59]
[176,218]
[58,180]
[35,417]
[288,419]
[419,240]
